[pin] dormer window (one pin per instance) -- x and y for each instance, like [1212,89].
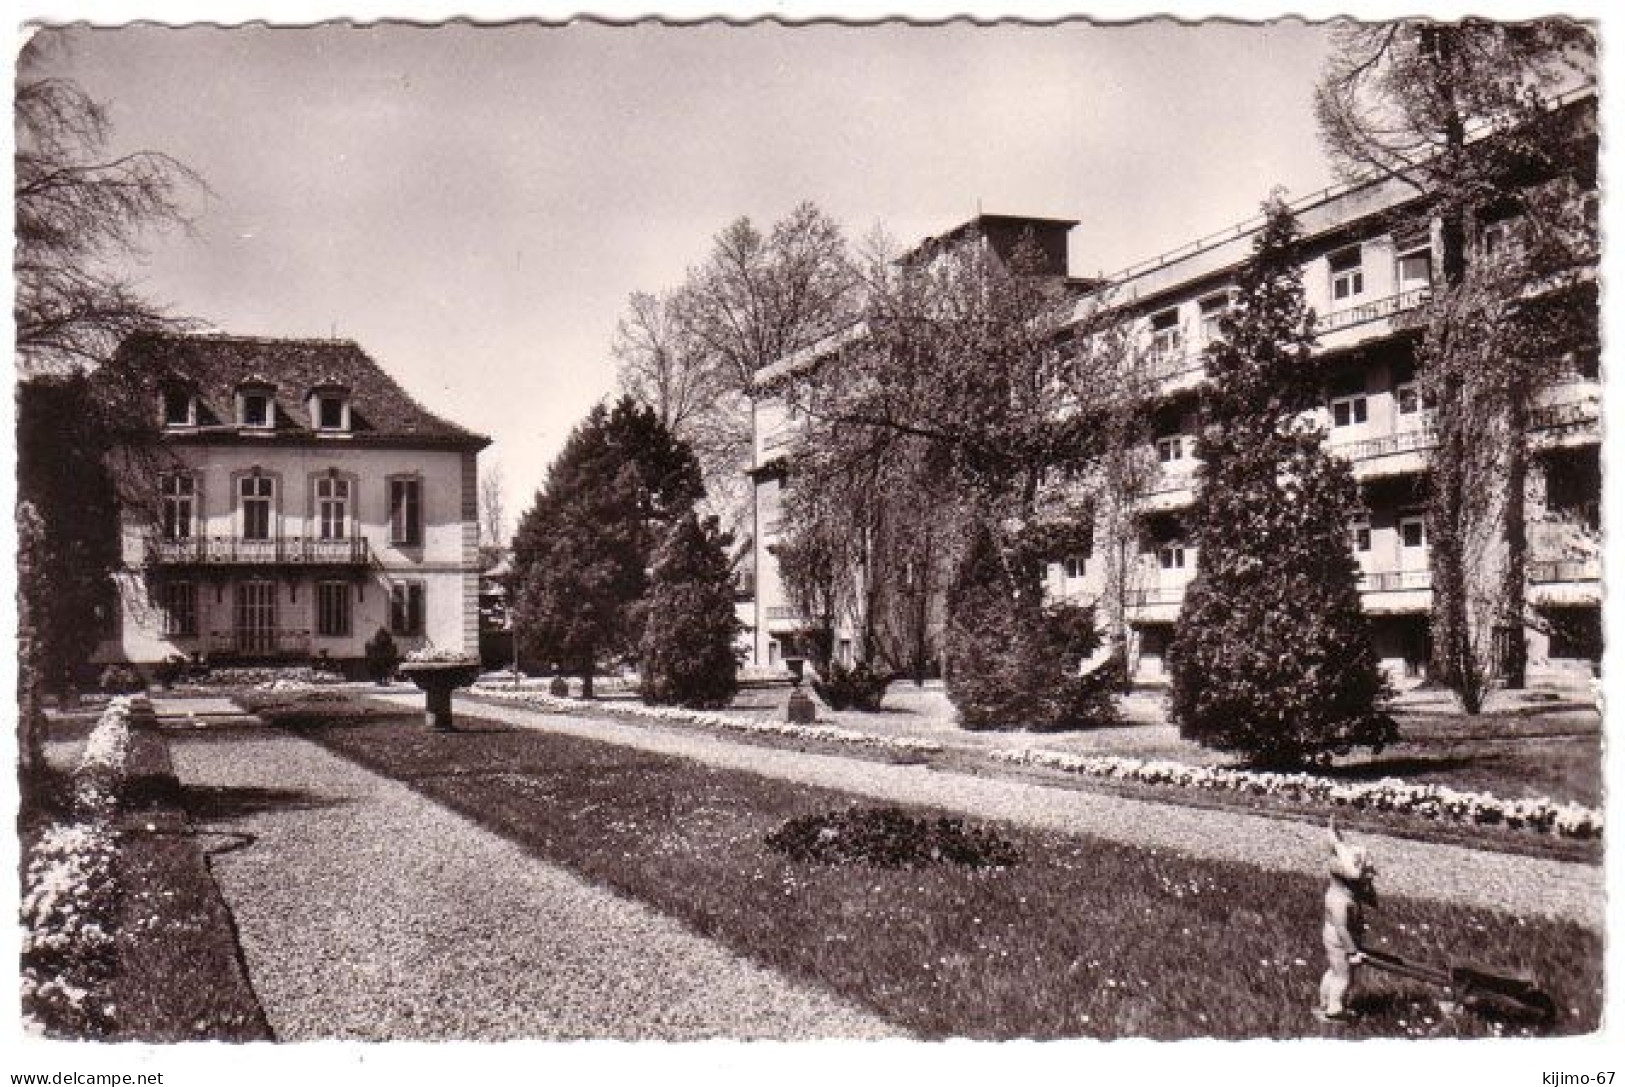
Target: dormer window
[179,406]
[256,405]
[330,412]
[329,404]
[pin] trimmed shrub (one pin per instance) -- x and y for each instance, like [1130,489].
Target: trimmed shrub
[120,679]
[1014,663]
[856,688]
[688,656]
[559,687]
[382,656]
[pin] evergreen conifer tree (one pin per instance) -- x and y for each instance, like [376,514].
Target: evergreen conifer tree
[1013,662]
[1272,656]
[582,551]
[688,653]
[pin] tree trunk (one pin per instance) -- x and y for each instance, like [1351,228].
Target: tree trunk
[1515,663]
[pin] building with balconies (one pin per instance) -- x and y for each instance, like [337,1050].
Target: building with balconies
[302,501]
[1370,255]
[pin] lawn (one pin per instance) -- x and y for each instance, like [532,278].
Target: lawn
[1080,938]
[176,972]
[180,977]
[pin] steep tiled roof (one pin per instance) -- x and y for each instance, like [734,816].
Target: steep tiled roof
[215,366]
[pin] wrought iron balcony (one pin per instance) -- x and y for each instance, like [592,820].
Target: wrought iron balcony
[238,551]
[249,642]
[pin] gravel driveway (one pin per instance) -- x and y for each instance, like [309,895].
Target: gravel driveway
[366,911]
[1520,885]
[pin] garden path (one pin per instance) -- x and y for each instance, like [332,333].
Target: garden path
[366,911]
[1509,883]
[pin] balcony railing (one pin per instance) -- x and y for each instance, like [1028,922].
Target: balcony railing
[780,613]
[258,643]
[237,551]
[1391,306]
[1578,413]
[1404,441]
[1565,570]
[1157,594]
[1392,581]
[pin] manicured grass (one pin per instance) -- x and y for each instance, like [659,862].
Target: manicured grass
[972,758]
[1551,751]
[179,977]
[1082,938]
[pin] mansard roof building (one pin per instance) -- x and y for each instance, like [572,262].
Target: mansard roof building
[303,501]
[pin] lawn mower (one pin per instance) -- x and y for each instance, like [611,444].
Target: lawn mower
[1502,996]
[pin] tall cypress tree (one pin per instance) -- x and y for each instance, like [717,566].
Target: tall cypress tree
[1272,656]
[583,550]
[688,653]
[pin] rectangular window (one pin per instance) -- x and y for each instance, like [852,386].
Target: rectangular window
[1171,449]
[330,413]
[332,507]
[1497,238]
[1166,336]
[1412,532]
[177,407]
[177,601]
[1407,399]
[1213,307]
[179,506]
[1074,567]
[1171,556]
[333,609]
[1348,411]
[406,512]
[256,410]
[1348,276]
[406,608]
[256,494]
[1361,531]
[1415,270]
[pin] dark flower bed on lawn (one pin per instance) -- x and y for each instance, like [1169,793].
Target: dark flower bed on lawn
[889,838]
[1083,938]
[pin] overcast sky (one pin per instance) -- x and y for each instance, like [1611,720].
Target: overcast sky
[473,206]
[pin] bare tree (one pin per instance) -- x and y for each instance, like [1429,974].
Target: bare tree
[1464,114]
[78,213]
[493,520]
[696,394]
[693,354]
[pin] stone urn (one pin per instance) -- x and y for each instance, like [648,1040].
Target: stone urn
[437,679]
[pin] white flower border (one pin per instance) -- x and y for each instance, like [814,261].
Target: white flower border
[70,894]
[1438,802]
[821,733]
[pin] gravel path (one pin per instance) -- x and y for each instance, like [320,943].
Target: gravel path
[1514,884]
[366,911]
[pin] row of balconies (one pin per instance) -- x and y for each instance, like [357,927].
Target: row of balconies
[1552,581]
[240,551]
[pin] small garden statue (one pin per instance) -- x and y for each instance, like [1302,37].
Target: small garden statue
[1352,888]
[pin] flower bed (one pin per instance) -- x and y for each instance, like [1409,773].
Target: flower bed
[70,897]
[1438,802]
[820,733]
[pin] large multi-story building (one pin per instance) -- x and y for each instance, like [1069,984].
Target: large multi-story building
[1370,258]
[303,501]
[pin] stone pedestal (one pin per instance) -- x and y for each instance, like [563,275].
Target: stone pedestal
[437,680]
[802,710]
